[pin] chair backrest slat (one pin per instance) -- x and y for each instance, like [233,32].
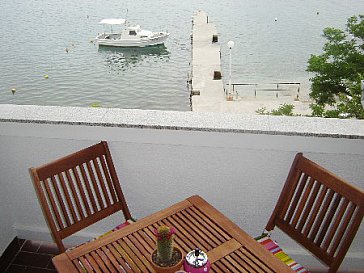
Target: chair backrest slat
[89,192]
[328,218]
[68,196]
[108,180]
[99,201]
[319,210]
[53,206]
[302,201]
[59,200]
[318,221]
[341,231]
[315,210]
[292,207]
[72,184]
[335,224]
[101,180]
[309,204]
[79,190]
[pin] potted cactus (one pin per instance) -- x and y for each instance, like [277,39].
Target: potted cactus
[166,258]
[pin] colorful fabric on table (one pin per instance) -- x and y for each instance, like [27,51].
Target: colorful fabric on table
[276,250]
[126,223]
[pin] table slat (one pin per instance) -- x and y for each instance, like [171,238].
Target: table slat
[199,241]
[93,263]
[111,257]
[207,229]
[143,256]
[121,261]
[128,261]
[197,229]
[105,261]
[134,254]
[220,267]
[249,256]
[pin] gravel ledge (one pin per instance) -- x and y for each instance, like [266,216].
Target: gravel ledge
[189,121]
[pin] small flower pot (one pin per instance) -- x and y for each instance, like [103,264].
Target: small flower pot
[167,269]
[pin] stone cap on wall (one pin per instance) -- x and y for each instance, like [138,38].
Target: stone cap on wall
[190,121]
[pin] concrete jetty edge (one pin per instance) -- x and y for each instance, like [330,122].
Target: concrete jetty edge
[206,85]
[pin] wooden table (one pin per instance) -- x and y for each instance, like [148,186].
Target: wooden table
[198,224]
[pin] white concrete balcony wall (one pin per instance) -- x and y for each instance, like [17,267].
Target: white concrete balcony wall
[238,163]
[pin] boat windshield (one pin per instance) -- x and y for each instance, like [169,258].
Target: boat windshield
[112,21]
[134,28]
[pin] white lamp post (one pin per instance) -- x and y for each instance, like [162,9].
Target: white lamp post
[362,93]
[230,45]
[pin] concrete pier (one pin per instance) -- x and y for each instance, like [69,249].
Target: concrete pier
[207,93]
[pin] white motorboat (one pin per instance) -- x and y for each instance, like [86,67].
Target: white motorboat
[130,36]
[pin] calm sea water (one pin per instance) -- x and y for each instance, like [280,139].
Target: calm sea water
[35,35]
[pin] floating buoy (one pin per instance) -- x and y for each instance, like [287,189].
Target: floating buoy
[46,76]
[317,13]
[13,91]
[276,19]
[96,105]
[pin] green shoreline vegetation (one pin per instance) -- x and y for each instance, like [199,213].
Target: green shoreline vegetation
[338,72]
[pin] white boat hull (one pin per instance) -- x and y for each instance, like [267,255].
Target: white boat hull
[118,41]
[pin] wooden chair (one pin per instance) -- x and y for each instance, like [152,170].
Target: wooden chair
[78,190]
[319,210]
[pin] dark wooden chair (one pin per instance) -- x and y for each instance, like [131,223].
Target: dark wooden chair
[78,190]
[319,210]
